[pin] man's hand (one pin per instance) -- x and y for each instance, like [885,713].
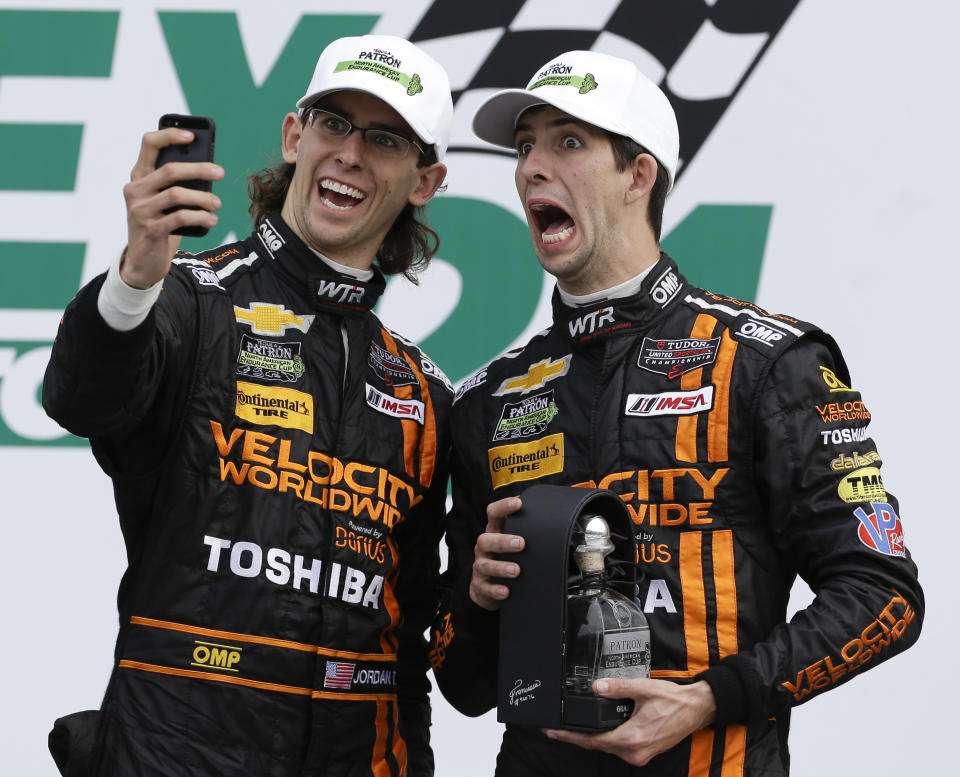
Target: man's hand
[150,246]
[486,583]
[664,713]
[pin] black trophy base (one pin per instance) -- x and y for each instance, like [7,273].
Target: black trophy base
[593,713]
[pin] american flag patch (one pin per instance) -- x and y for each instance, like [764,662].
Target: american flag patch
[339,674]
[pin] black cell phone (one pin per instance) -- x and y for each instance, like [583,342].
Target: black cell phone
[200,149]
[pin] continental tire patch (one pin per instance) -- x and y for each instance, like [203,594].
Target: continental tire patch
[526,460]
[275,406]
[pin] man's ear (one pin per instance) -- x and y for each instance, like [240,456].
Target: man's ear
[429,179]
[643,175]
[290,142]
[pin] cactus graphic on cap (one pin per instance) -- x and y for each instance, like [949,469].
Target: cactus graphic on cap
[415,85]
[589,83]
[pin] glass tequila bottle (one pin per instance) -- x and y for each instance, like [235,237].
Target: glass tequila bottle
[607,633]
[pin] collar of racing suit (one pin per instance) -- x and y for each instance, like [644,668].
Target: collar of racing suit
[617,317]
[330,291]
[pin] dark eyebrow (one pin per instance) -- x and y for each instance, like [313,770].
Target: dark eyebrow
[344,114]
[561,122]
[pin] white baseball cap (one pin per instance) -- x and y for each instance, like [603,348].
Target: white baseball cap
[608,92]
[412,83]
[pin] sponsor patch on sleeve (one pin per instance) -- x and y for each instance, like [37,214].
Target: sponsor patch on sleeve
[880,530]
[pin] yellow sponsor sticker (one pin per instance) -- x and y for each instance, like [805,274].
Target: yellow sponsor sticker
[862,485]
[275,406]
[526,460]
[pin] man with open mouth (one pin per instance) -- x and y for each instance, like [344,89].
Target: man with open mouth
[279,456]
[733,436]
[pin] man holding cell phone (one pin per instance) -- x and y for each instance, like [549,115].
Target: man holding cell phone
[279,457]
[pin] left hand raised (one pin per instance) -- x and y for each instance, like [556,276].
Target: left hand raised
[664,713]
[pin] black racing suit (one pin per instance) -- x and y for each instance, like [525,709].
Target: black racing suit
[279,461]
[742,455]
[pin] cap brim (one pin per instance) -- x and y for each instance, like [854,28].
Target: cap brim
[496,118]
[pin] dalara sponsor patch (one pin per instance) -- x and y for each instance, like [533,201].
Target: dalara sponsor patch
[526,460]
[670,402]
[270,360]
[854,460]
[881,529]
[275,406]
[409,409]
[265,318]
[537,376]
[529,416]
[862,485]
[673,358]
[393,370]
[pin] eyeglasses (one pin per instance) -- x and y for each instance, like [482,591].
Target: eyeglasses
[386,142]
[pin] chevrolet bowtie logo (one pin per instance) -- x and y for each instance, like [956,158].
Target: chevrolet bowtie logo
[266,319]
[537,375]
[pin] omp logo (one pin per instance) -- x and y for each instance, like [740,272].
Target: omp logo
[344,293]
[760,332]
[265,318]
[526,461]
[206,277]
[274,405]
[670,402]
[665,288]
[269,237]
[590,322]
[209,655]
[537,375]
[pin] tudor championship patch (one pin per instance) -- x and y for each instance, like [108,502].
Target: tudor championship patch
[673,358]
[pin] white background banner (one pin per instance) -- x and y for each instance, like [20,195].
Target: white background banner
[819,178]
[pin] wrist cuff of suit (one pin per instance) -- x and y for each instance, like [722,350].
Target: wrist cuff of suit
[470,619]
[736,689]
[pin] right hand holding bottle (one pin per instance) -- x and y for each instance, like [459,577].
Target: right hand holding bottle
[487,587]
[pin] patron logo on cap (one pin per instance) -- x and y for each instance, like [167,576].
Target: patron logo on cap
[583,84]
[374,62]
